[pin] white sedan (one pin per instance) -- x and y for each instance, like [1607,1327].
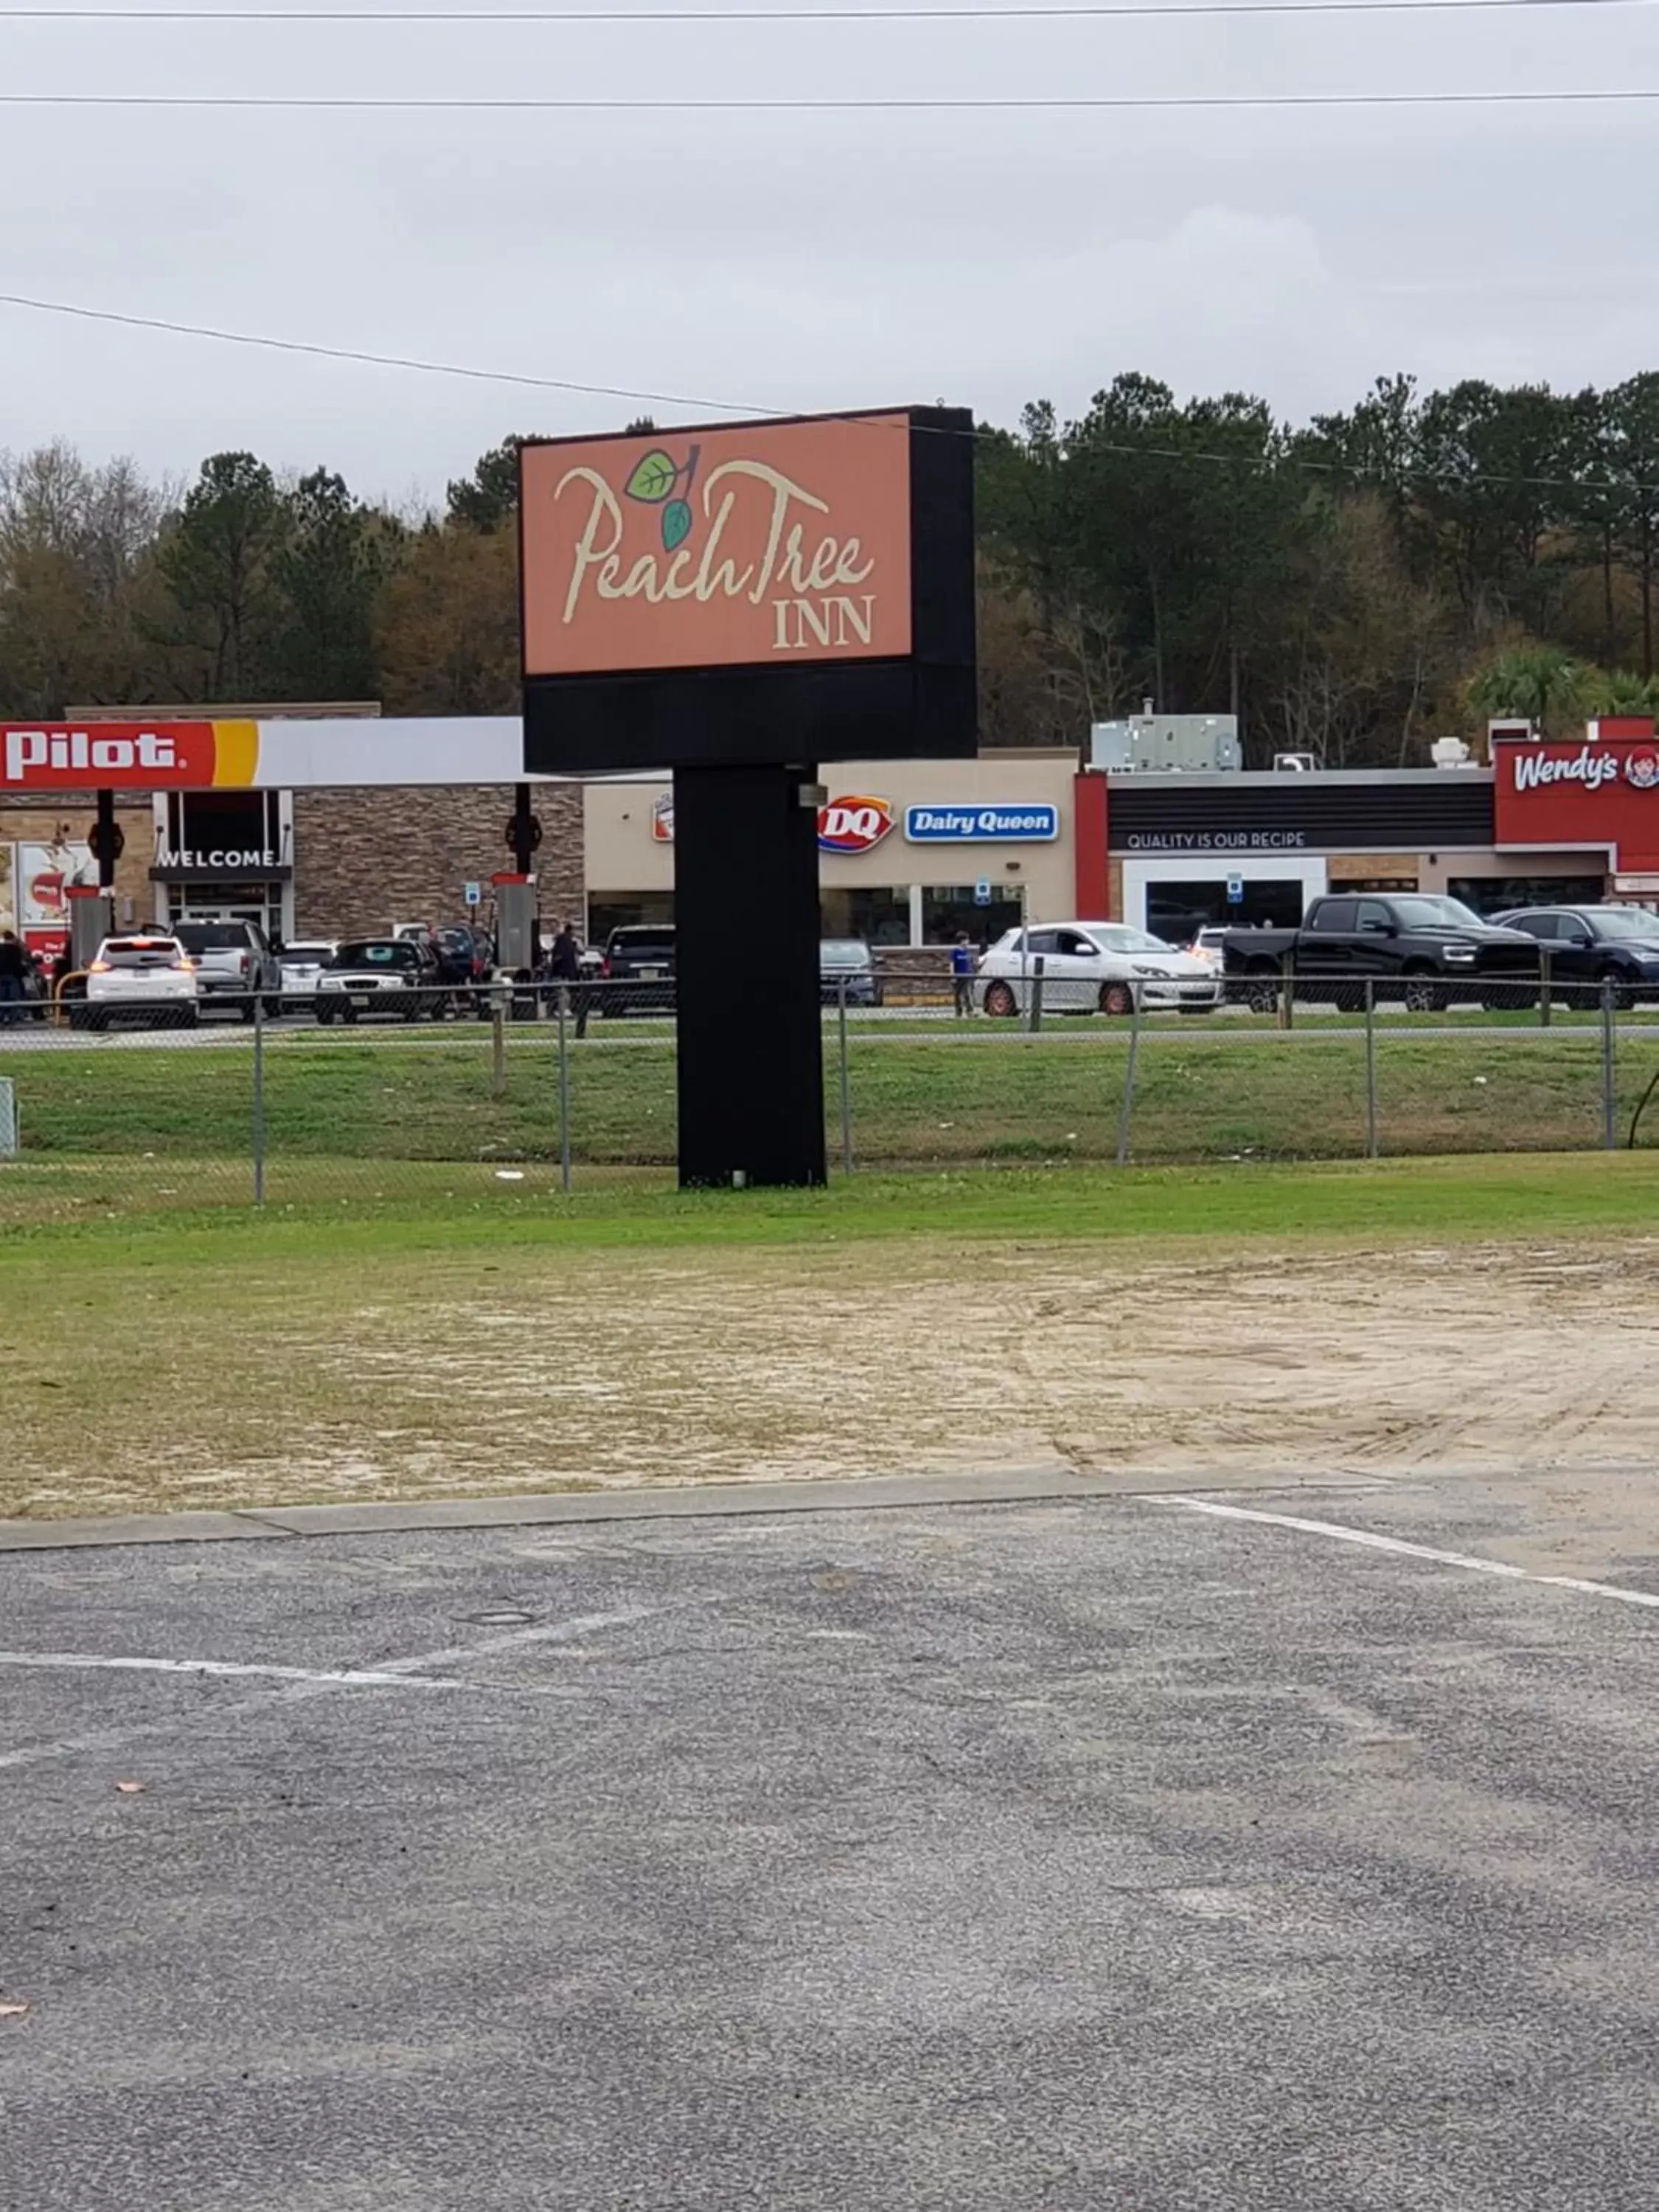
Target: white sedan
[147,978]
[301,966]
[1091,967]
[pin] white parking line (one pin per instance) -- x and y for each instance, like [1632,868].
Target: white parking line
[1373,1542]
[299,1682]
[346,1677]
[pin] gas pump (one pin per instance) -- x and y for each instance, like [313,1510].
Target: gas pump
[515,940]
[515,924]
[91,920]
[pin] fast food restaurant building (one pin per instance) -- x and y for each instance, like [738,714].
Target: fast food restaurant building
[339,824]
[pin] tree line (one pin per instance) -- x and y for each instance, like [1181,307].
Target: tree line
[1351,586]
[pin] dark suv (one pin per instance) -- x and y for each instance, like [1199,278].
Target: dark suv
[638,974]
[1616,945]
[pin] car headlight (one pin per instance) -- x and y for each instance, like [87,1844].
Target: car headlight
[1457,952]
[1155,974]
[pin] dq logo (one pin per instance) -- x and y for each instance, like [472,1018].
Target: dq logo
[852,825]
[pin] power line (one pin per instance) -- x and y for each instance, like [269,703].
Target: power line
[375,359]
[1110,10]
[1078,103]
[1137,451]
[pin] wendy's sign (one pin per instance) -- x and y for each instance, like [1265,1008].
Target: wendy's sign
[1602,790]
[762,591]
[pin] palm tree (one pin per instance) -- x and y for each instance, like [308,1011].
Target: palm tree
[1621,691]
[1540,683]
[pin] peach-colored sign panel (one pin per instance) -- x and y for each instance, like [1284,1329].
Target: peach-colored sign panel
[768,542]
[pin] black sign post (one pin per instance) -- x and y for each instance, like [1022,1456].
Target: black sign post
[737,604]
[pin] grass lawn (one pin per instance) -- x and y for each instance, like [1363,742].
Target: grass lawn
[462,1335]
[957,1097]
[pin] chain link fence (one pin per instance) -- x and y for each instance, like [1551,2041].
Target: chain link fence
[460,1092]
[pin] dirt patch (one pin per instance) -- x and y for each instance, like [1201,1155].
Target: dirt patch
[1535,1367]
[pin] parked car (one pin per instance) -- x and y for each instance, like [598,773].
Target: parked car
[1208,946]
[300,965]
[462,954]
[389,976]
[1428,951]
[140,979]
[1615,945]
[847,964]
[638,974]
[235,965]
[1089,967]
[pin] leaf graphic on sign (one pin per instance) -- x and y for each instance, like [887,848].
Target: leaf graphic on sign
[653,478]
[676,523]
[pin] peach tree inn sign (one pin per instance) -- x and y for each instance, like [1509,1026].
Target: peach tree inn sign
[736,603]
[710,577]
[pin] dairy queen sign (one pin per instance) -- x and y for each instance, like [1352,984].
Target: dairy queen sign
[849,824]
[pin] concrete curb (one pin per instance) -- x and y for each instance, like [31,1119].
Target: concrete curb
[870,1493]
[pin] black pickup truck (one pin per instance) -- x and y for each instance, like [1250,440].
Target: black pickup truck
[1429,951]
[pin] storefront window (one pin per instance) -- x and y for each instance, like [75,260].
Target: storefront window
[875,916]
[950,908]
[1177,911]
[1496,893]
[626,910]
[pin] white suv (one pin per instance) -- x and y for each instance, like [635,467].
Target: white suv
[148,979]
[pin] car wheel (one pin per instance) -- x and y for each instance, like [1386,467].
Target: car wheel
[999,1001]
[1116,998]
[1261,991]
[1422,995]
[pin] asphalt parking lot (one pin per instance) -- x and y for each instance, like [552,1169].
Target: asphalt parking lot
[1127,1853]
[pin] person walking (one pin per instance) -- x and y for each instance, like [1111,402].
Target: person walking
[961,972]
[565,963]
[13,969]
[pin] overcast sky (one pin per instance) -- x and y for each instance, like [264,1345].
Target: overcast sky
[801,261]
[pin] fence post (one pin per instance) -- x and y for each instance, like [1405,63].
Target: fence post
[259,1099]
[1287,992]
[846,1086]
[1128,1100]
[1543,987]
[1033,1015]
[1370,1067]
[562,1004]
[498,1042]
[1609,1133]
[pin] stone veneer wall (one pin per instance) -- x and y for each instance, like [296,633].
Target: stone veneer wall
[364,859]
